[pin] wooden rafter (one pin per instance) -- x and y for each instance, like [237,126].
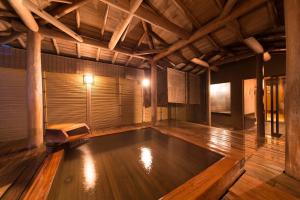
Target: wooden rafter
[65,9]
[55,45]
[125,33]
[7,39]
[62,1]
[128,61]
[77,16]
[227,8]
[145,14]
[41,13]
[21,42]
[243,8]
[134,5]
[50,33]
[114,58]
[104,20]
[141,40]
[24,14]
[148,36]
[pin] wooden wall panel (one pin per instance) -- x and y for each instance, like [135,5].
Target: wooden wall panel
[131,102]
[194,89]
[176,86]
[66,98]
[13,107]
[105,108]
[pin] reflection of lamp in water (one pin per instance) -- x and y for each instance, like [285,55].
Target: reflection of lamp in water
[89,171]
[146,158]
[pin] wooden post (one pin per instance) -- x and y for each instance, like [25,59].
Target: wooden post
[260,96]
[277,105]
[292,93]
[34,89]
[153,93]
[208,81]
[272,104]
[88,105]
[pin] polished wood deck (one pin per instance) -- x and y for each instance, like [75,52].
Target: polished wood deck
[264,177]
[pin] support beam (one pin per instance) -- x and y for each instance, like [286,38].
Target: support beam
[244,8]
[200,62]
[128,61]
[24,14]
[34,89]
[50,33]
[21,42]
[149,39]
[292,87]
[208,109]
[114,58]
[104,20]
[55,46]
[254,45]
[41,13]
[134,5]
[260,97]
[147,15]
[78,50]
[7,39]
[227,8]
[153,93]
[98,54]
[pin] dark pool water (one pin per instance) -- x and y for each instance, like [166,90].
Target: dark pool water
[141,164]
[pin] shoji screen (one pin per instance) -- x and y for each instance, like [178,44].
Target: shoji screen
[105,107]
[13,108]
[131,102]
[66,98]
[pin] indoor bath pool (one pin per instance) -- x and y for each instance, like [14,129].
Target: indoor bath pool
[140,164]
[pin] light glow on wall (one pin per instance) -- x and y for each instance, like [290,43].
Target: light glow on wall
[88,79]
[145,82]
[220,97]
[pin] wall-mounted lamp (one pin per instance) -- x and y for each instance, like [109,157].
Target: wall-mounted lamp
[88,79]
[145,82]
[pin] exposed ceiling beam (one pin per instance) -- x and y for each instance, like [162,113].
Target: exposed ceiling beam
[41,13]
[104,20]
[62,1]
[21,42]
[7,39]
[78,50]
[24,14]
[65,9]
[98,54]
[149,39]
[200,62]
[114,58]
[50,33]
[227,8]
[128,61]
[4,13]
[134,5]
[242,9]
[254,45]
[141,40]
[149,51]
[55,45]
[145,14]
[125,33]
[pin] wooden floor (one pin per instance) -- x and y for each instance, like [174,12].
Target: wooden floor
[264,177]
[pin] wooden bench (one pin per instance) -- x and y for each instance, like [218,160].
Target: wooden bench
[59,134]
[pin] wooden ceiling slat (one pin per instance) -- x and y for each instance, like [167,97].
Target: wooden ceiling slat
[244,8]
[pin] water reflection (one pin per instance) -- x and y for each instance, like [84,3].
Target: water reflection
[146,158]
[89,171]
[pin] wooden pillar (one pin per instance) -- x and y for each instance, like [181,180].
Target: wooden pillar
[153,92]
[272,104]
[277,105]
[260,96]
[34,89]
[208,111]
[292,93]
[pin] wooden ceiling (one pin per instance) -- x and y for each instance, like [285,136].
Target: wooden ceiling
[189,35]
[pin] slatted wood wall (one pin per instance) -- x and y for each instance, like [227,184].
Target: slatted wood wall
[105,107]
[13,107]
[176,86]
[66,98]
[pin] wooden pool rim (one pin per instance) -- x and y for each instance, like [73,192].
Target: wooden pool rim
[214,180]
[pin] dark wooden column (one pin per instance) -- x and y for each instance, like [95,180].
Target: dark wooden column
[34,89]
[292,93]
[272,104]
[208,109]
[153,93]
[260,96]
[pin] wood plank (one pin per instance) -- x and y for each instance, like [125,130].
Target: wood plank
[134,5]
[243,8]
